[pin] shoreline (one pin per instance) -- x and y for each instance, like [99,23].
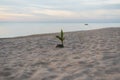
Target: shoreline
[43,34]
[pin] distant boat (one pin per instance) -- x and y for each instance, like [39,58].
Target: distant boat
[86,24]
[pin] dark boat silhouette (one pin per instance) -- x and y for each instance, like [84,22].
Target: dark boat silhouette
[86,24]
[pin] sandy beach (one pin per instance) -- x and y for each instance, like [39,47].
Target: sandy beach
[87,55]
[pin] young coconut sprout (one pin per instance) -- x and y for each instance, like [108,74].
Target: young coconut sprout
[61,38]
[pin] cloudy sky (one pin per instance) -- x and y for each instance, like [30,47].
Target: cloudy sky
[60,10]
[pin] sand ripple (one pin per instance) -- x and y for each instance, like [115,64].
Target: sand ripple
[88,55]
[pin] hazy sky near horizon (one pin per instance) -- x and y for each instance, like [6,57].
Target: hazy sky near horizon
[60,10]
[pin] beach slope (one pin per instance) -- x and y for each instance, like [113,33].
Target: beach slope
[87,55]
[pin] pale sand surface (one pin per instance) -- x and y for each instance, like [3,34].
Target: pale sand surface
[88,55]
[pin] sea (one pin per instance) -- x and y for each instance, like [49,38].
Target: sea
[17,29]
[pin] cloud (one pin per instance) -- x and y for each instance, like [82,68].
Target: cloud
[2,8]
[47,10]
[6,16]
[51,14]
[55,13]
[112,2]
[100,14]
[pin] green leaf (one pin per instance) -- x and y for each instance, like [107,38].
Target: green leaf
[62,33]
[59,38]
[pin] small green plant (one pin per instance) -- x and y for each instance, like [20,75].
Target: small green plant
[61,38]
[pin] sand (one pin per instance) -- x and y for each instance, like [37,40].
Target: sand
[87,55]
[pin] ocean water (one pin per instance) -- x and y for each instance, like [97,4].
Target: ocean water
[16,29]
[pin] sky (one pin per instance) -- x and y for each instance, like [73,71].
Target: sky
[60,10]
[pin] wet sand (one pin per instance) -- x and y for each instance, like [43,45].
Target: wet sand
[87,55]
